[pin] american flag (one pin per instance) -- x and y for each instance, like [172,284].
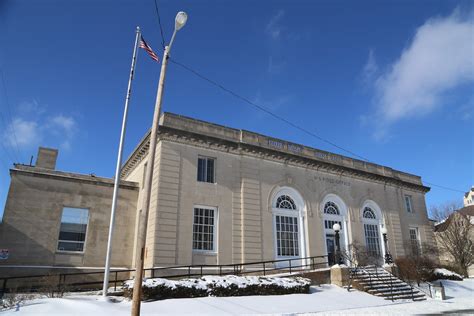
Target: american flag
[148,49]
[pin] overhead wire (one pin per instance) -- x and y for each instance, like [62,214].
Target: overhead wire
[159,22]
[268,111]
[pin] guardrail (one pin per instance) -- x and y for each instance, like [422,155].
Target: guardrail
[373,277]
[93,280]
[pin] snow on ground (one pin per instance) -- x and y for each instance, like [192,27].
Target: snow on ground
[327,299]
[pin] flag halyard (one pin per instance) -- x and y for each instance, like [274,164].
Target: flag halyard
[148,49]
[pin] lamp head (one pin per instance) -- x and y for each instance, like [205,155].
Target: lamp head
[180,20]
[336,227]
[384,230]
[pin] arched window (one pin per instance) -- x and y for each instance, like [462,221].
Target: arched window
[371,218]
[285,202]
[331,208]
[287,207]
[368,213]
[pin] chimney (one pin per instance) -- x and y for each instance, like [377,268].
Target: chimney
[47,158]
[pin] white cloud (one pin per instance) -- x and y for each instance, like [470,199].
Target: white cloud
[438,59]
[273,27]
[66,123]
[466,111]
[22,132]
[370,68]
[30,128]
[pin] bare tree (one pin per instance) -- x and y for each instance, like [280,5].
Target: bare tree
[441,212]
[455,237]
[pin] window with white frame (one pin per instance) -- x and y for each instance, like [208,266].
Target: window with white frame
[206,169]
[72,232]
[408,204]
[415,241]
[372,239]
[331,208]
[285,202]
[204,229]
[287,236]
[371,230]
[369,213]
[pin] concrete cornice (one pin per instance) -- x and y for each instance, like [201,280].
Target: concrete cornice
[67,176]
[185,130]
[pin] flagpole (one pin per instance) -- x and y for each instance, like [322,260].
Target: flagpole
[117,169]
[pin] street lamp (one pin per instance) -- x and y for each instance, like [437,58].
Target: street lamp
[180,21]
[337,255]
[388,256]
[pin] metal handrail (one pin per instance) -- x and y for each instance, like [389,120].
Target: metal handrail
[236,268]
[356,268]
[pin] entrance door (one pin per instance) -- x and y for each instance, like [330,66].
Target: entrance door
[331,247]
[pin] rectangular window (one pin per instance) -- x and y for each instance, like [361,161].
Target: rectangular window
[204,229]
[287,236]
[415,241]
[144,174]
[206,169]
[372,239]
[72,232]
[408,203]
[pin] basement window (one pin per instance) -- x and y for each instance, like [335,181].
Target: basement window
[72,233]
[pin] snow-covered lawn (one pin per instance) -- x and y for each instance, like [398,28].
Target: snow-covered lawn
[327,299]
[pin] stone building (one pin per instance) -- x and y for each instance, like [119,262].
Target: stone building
[219,195]
[59,220]
[468,198]
[458,226]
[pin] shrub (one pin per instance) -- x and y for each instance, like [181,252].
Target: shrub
[415,269]
[445,274]
[218,286]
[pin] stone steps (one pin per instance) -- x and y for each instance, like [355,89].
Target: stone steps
[380,283]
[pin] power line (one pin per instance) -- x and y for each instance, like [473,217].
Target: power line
[159,22]
[266,110]
[11,119]
[443,187]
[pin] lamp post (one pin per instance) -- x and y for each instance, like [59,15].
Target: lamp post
[337,253]
[388,256]
[180,21]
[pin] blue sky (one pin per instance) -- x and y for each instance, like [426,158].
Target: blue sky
[389,81]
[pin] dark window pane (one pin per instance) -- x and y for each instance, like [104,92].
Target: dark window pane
[70,246]
[72,236]
[210,170]
[201,169]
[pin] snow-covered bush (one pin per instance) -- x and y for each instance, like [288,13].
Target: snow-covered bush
[445,274]
[218,286]
[10,300]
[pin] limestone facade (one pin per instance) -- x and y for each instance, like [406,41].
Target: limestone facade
[251,172]
[252,177]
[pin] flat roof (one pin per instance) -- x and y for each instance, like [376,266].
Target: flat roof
[175,122]
[69,176]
